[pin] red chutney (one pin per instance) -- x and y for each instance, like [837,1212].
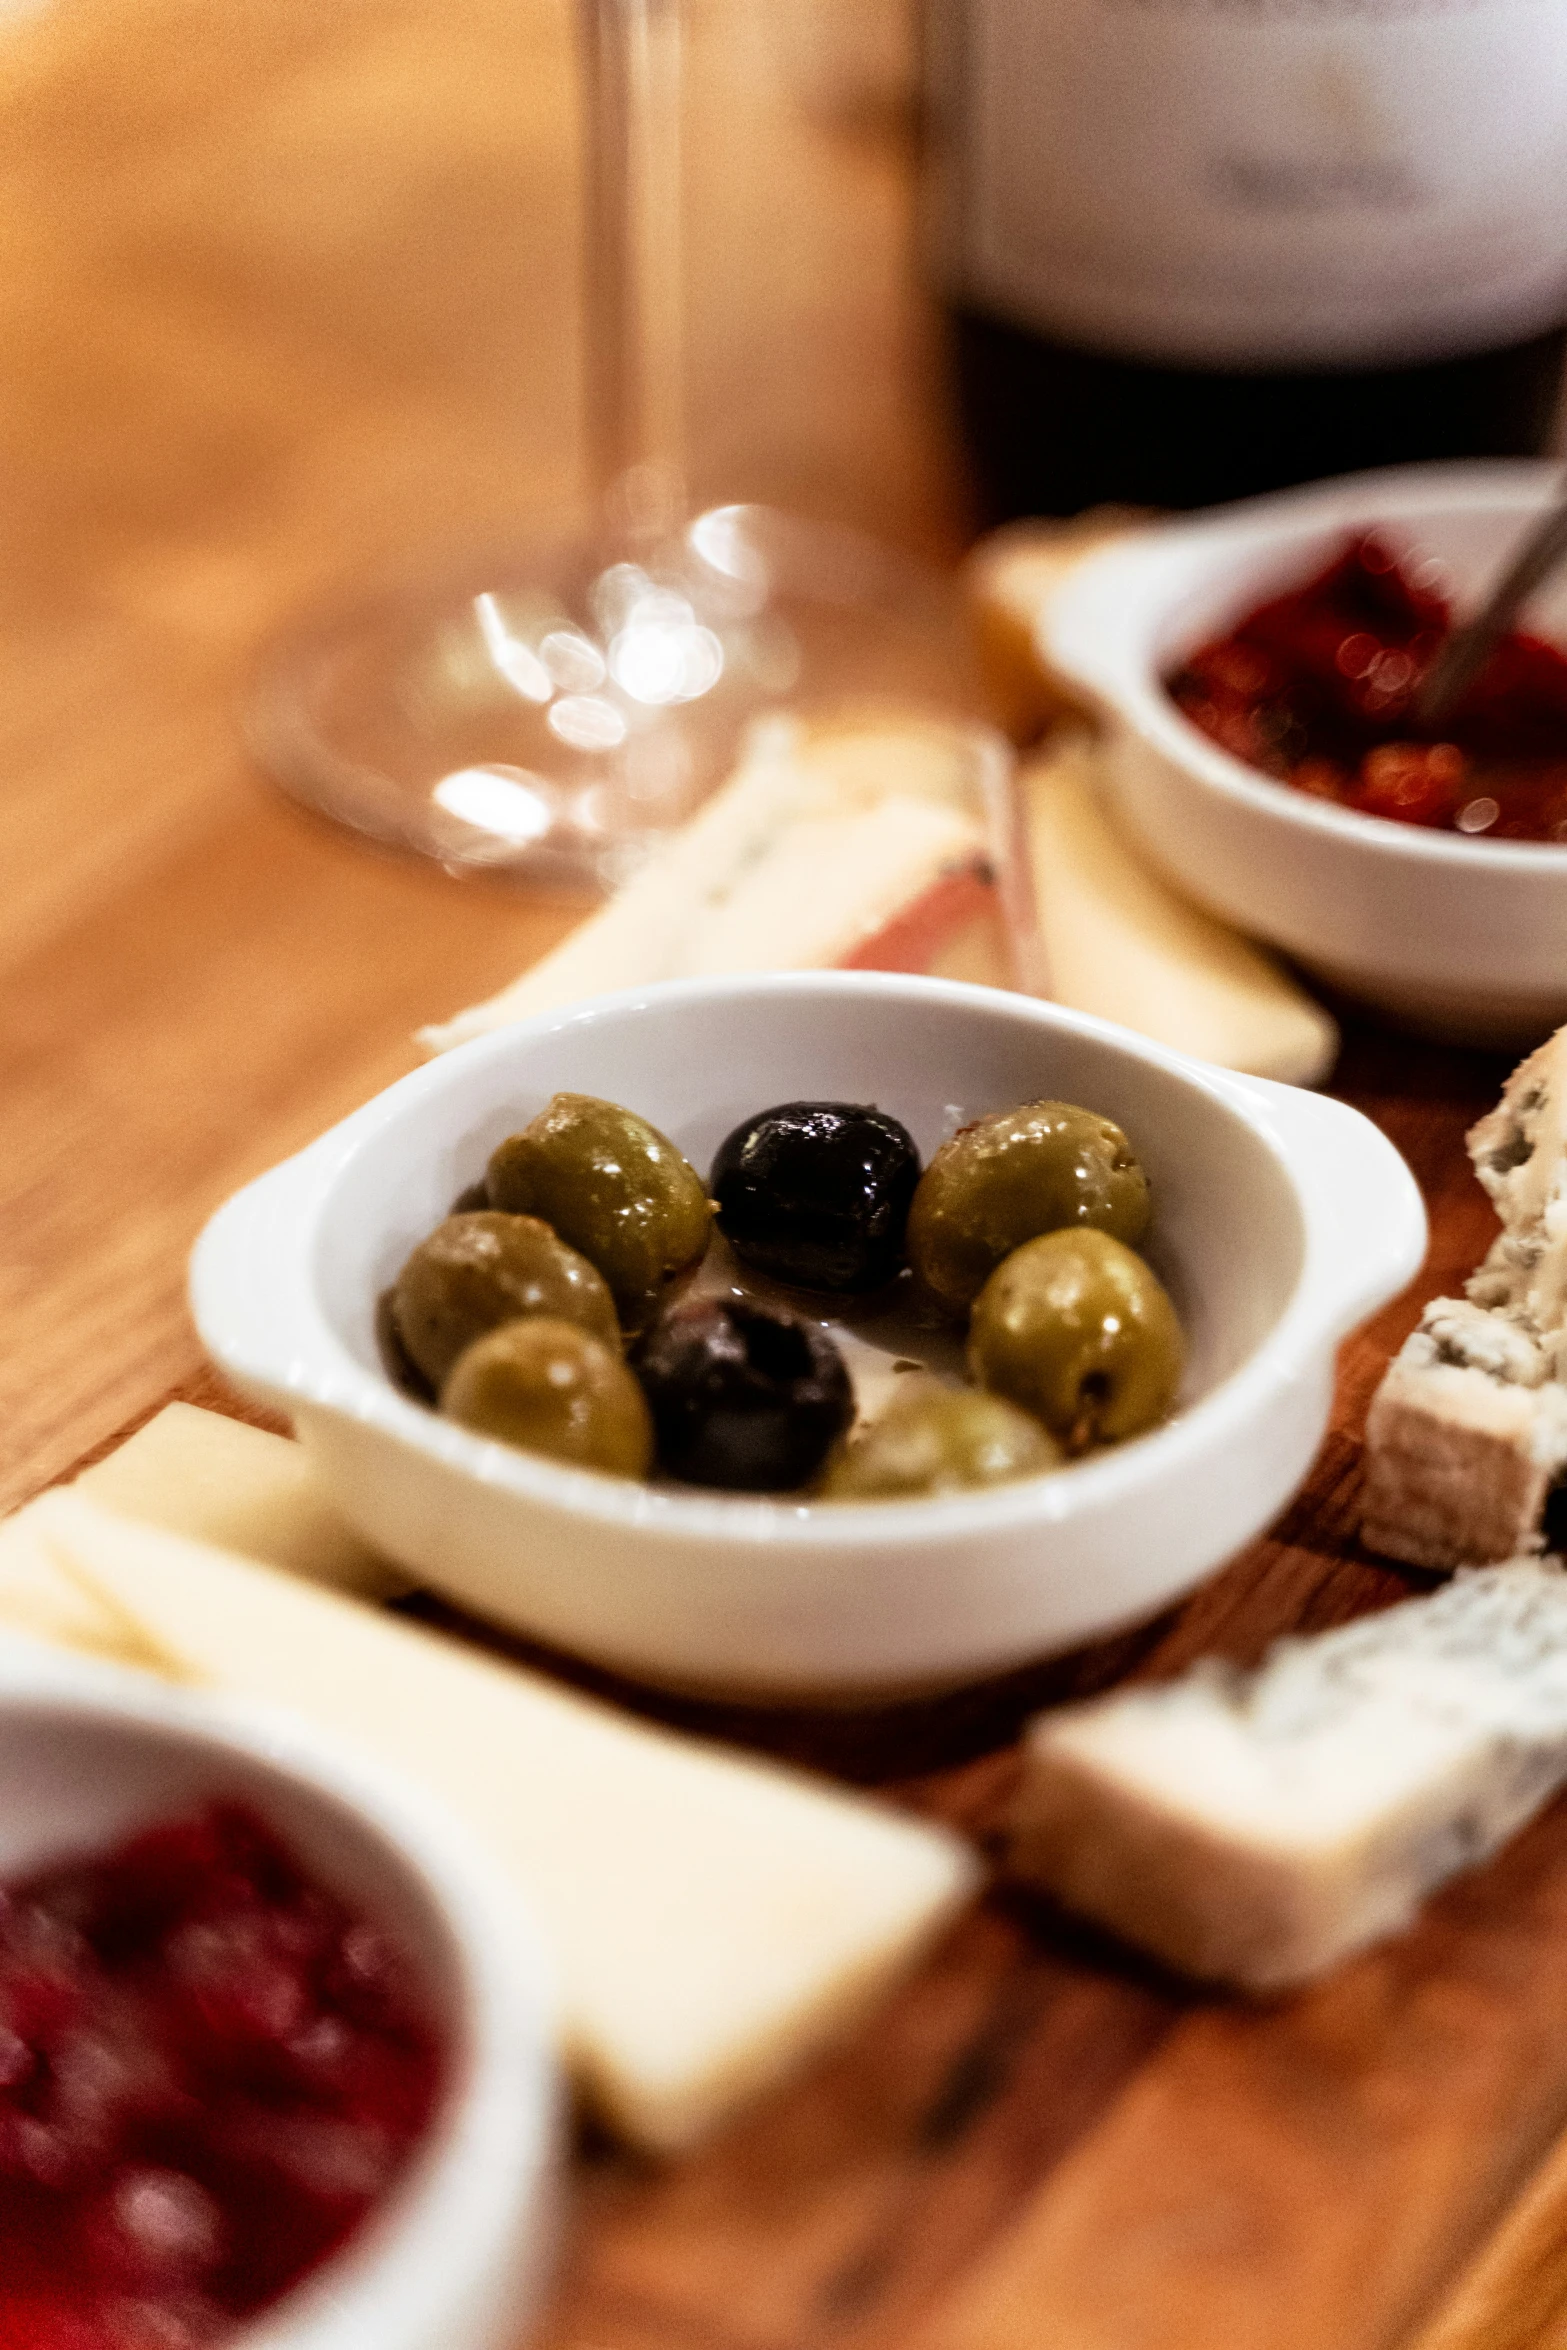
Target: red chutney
[1316,689]
[210,2070]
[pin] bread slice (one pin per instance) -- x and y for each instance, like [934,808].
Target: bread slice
[1467,1433]
[1256,1828]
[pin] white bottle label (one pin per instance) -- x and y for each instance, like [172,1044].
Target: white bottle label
[1262,182]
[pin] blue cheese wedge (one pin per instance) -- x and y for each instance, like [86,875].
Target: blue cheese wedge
[1519,1151]
[1465,1438]
[714,1919]
[1467,1433]
[1256,1828]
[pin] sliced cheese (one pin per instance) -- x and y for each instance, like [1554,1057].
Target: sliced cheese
[1255,1828]
[1116,940]
[203,1474]
[38,1597]
[714,1919]
[823,838]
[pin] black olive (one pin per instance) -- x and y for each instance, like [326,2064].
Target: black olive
[817,1194]
[742,1395]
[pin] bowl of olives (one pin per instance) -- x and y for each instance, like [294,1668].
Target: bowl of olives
[831,1335]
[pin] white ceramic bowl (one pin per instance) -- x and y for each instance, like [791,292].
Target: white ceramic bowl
[1282,1219]
[455,2256]
[1464,938]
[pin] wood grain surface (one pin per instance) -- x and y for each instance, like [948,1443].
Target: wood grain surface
[287,296]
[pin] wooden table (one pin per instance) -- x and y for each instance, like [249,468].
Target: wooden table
[288,293]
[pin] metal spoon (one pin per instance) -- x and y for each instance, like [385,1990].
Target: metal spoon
[1466,651]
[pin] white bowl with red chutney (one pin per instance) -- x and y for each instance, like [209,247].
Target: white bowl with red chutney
[1256,668]
[275,2063]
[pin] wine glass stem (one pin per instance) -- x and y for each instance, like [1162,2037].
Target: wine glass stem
[635,308]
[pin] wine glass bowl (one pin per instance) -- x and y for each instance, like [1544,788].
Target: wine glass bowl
[548,712]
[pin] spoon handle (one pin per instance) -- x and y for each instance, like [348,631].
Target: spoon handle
[1467,649]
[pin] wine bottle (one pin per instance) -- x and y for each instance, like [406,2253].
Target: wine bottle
[1194,249]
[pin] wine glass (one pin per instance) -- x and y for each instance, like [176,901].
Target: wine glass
[548,711]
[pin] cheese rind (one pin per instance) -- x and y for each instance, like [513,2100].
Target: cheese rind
[1258,1828]
[714,1919]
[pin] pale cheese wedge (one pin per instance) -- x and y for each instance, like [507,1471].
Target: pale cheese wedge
[203,1474]
[38,1597]
[823,837]
[1115,940]
[714,1919]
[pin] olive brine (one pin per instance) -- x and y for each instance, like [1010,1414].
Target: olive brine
[554,1308]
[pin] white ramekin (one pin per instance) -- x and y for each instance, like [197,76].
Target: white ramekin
[1282,1220]
[457,2254]
[1462,938]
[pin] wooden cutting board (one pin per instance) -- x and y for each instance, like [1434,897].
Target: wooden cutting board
[290,295]
[1041,2141]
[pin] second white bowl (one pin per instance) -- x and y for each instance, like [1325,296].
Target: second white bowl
[1461,938]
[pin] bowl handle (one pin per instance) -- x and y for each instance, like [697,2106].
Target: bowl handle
[1366,1230]
[249,1284]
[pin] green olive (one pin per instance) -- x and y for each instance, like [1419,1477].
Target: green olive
[940,1440]
[1075,1328]
[482,1268]
[550,1387]
[1004,1180]
[615,1188]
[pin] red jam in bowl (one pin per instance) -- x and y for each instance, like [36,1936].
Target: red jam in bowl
[1316,688]
[210,2070]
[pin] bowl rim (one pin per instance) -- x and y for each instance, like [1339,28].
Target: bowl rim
[1131,688]
[486,2163]
[761,1525]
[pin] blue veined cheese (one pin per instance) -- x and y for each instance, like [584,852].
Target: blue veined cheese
[1465,1437]
[1519,1151]
[1467,1433]
[1256,1828]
